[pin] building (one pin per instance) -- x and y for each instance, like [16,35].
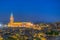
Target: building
[18,24]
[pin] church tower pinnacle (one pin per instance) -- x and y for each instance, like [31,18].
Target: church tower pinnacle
[11,18]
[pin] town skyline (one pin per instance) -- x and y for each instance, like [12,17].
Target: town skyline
[18,19]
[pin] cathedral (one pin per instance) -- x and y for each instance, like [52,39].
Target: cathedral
[18,24]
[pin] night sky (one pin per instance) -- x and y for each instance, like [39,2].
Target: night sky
[30,10]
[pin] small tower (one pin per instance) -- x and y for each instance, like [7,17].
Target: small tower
[11,18]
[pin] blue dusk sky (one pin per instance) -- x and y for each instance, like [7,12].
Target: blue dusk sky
[30,10]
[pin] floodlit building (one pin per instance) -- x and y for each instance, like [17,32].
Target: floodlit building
[18,24]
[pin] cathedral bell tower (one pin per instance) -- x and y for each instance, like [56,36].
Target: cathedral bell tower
[11,18]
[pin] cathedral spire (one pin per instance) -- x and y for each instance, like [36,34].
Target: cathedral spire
[11,18]
[11,14]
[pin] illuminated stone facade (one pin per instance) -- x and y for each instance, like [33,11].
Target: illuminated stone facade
[18,24]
